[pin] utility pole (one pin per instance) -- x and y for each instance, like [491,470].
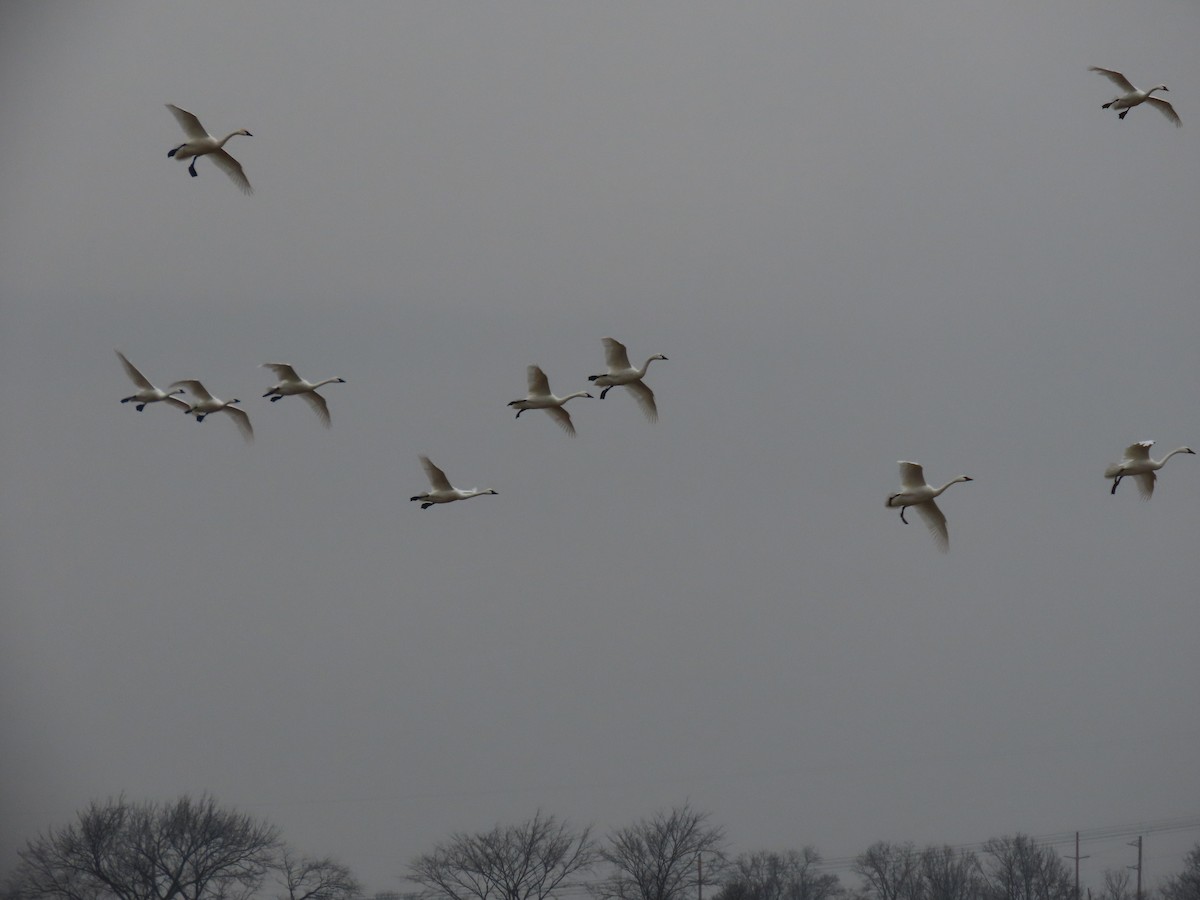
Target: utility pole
[700,880]
[1077,858]
[1138,844]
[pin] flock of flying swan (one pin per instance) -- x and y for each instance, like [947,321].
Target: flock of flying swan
[915,492]
[204,403]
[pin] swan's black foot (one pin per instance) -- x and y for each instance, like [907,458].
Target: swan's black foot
[426,505]
[201,418]
[140,407]
[1122,114]
[127,399]
[276,397]
[413,498]
[173,151]
[192,168]
[605,391]
[1116,481]
[593,377]
[902,519]
[518,415]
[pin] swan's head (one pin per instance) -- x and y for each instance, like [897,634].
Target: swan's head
[340,380]
[490,491]
[245,132]
[177,391]
[965,478]
[589,396]
[1189,450]
[658,356]
[235,400]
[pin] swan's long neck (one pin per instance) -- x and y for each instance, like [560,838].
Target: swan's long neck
[1161,87]
[646,366]
[573,396]
[221,143]
[1162,462]
[939,491]
[326,381]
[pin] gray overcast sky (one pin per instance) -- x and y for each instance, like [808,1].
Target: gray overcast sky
[862,232]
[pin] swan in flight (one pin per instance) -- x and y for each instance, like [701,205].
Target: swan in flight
[916,493]
[621,373]
[539,397]
[147,392]
[1137,462]
[200,143]
[1133,97]
[205,403]
[291,383]
[441,490]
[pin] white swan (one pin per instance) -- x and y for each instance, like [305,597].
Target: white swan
[205,403]
[539,397]
[1137,462]
[201,143]
[1133,97]
[290,383]
[147,392]
[621,373]
[442,491]
[916,493]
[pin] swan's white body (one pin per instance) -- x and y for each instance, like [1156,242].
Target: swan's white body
[200,143]
[621,374]
[441,491]
[539,396]
[290,384]
[204,404]
[1133,97]
[916,493]
[1137,462]
[147,392]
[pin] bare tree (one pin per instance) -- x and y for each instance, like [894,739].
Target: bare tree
[305,878]
[1116,885]
[1185,885]
[949,874]
[792,875]
[516,862]
[666,857]
[187,850]
[890,871]
[1017,868]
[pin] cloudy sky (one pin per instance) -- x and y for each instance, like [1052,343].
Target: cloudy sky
[861,232]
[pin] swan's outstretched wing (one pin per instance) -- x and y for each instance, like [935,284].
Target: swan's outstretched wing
[242,420]
[134,375]
[1139,451]
[437,478]
[282,371]
[539,384]
[1115,77]
[645,398]
[912,475]
[937,523]
[615,355]
[317,402]
[563,418]
[189,123]
[1166,109]
[1145,483]
[233,169]
[197,389]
